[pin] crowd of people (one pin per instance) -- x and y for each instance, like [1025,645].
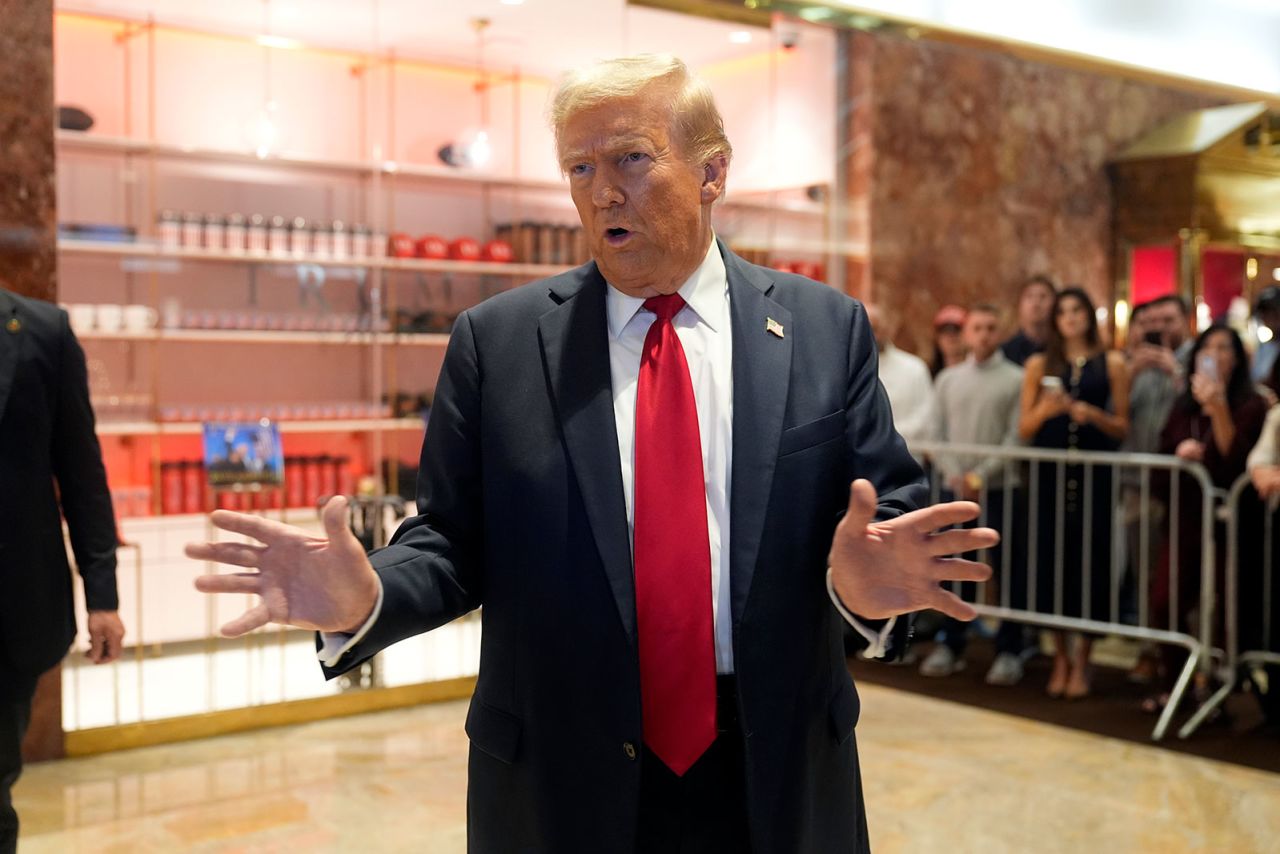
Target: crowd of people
[1056,384]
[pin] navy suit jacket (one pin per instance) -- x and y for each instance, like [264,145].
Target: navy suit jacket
[522,511]
[50,465]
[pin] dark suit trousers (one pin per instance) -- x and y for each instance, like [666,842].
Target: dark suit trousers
[1010,637]
[15,713]
[703,812]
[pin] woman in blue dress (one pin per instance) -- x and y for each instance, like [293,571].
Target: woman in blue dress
[1075,395]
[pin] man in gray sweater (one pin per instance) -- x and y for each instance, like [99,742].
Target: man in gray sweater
[978,404]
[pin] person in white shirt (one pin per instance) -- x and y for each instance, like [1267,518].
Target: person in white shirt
[979,404]
[906,379]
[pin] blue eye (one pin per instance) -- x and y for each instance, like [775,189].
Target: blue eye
[634,157]
[578,169]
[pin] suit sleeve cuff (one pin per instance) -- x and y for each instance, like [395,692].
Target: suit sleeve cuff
[877,642]
[334,645]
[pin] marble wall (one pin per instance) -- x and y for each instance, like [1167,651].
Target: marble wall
[28,225]
[984,169]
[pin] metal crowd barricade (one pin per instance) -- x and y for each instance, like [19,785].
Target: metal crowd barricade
[1267,642]
[1021,489]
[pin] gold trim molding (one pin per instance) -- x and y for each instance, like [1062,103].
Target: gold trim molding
[747,14]
[87,742]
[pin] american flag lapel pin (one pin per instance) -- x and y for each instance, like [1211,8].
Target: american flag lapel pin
[772,326]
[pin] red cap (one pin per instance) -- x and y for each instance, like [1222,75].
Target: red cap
[497,250]
[949,315]
[431,246]
[464,249]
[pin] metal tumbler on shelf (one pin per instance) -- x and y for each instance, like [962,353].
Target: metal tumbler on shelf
[278,237]
[299,238]
[192,231]
[256,235]
[170,228]
[215,229]
[339,241]
[236,234]
[360,241]
[321,240]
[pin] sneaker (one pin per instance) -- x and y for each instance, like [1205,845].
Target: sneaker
[941,662]
[1006,670]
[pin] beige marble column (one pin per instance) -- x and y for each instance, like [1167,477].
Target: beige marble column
[28,223]
[28,230]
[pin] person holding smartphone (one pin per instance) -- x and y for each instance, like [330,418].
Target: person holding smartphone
[1074,395]
[1264,471]
[1159,345]
[1215,422]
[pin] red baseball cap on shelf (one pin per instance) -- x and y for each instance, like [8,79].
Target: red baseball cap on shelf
[949,315]
[464,249]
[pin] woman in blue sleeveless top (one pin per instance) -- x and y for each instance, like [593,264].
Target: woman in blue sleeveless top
[1075,395]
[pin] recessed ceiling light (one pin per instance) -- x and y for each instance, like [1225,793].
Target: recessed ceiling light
[740,37]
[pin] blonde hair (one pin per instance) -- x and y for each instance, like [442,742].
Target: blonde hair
[694,117]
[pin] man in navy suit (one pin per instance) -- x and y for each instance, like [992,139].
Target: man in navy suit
[51,467]
[641,469]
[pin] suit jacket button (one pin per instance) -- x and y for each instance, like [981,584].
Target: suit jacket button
[629,749]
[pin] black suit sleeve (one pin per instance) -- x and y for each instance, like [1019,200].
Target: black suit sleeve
[430,571]
[879,454]
[81,477]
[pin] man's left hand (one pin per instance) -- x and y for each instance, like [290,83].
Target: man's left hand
[106,636]
[883,569]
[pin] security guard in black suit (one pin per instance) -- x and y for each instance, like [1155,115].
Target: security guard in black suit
[50,468]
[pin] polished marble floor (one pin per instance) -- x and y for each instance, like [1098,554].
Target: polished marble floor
[939,777]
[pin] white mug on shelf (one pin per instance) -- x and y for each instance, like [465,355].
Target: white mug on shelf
[139,318]
[110,317]
[81,316]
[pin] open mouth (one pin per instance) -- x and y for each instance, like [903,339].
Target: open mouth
[616,236]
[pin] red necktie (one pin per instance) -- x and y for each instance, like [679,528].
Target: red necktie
[672,553]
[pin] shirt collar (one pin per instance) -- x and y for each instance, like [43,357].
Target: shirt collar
[704,292]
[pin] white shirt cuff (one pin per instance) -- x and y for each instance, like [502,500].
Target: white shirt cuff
[877,643]
[334,645]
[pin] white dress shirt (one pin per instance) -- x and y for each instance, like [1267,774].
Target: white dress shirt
[705,333]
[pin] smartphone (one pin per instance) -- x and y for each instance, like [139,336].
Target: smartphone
[1155,339]
[1207,366]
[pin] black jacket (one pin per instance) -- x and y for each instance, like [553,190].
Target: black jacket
[49,456]
[522,511]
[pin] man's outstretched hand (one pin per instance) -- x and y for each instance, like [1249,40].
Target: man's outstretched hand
[883,569]
[322,583]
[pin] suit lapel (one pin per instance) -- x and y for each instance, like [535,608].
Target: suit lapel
[761,372]
[9,346]
[575,350]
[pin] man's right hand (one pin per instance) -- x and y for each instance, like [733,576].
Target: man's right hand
[1150,356]
[321,583]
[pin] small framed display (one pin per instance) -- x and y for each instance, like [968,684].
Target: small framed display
[240,455]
